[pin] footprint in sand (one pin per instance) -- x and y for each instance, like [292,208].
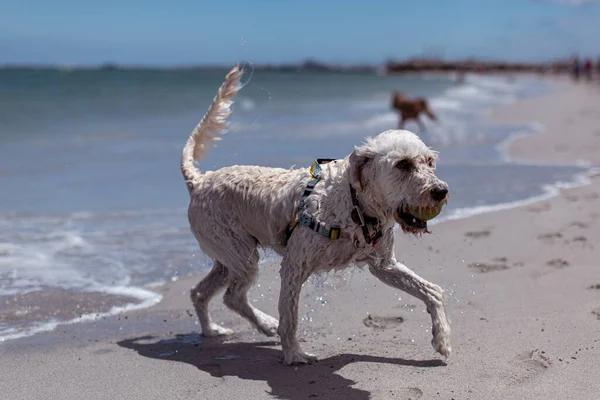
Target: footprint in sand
[550,236]
[572,197]
[535,360]
[374,321]
[558,263]
[578,239]
[408,393]
[595,287]
[532,363]
[579,224]
[504,260]
[539,208]
[489,267]
[478,234]
[596,312]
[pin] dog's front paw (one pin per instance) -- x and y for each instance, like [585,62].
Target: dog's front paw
[441,343]
[298,357]
[216,330]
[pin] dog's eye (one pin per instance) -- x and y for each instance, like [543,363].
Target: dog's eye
[404,165]
[431,163]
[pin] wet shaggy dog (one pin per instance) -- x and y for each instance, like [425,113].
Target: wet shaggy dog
[411,109]
[389,179]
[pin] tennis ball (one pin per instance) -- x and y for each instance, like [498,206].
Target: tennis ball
[426,213]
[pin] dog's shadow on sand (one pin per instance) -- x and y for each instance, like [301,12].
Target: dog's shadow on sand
[261,361]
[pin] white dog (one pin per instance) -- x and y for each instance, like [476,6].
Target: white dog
[337,213]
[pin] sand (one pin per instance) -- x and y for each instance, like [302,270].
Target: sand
[523,290]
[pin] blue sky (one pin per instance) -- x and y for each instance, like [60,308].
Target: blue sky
[186,32]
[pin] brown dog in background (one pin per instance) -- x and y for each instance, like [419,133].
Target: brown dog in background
[411,109]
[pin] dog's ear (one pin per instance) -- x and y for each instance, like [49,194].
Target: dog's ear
[358,160]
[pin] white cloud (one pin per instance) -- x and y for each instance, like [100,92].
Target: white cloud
[574,3]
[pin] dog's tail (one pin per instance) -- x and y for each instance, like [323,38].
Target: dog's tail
[210,127]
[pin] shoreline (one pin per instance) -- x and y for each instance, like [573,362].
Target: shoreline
[550,191]
[147,298]
[153,294]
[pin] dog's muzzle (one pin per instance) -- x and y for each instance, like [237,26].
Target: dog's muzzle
[407,219]
[414,219]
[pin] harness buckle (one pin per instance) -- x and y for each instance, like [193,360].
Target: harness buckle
[334,233]
[357,216]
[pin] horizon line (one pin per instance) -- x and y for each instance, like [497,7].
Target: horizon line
[289,64]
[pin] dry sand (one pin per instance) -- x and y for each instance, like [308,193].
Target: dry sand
[523,291]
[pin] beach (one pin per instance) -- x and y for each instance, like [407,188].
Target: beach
[522,283]
[104,222]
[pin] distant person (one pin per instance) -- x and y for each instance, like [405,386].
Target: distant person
[587,68]
[575,68]
[411,109]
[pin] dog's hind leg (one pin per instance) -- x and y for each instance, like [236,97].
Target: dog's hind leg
[201,295]
[236,296]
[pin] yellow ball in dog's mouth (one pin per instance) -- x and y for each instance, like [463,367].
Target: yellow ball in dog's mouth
[425,213]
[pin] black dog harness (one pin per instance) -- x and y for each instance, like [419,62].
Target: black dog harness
[333,232]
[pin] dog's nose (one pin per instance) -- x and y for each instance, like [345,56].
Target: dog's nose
[439,192]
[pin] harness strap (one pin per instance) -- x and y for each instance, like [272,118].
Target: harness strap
[305,218]
[361,220]
[308,220]
[333,232]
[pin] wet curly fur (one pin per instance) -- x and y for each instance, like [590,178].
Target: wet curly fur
[235,209]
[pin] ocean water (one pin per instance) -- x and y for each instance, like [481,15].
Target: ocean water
[93,205]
